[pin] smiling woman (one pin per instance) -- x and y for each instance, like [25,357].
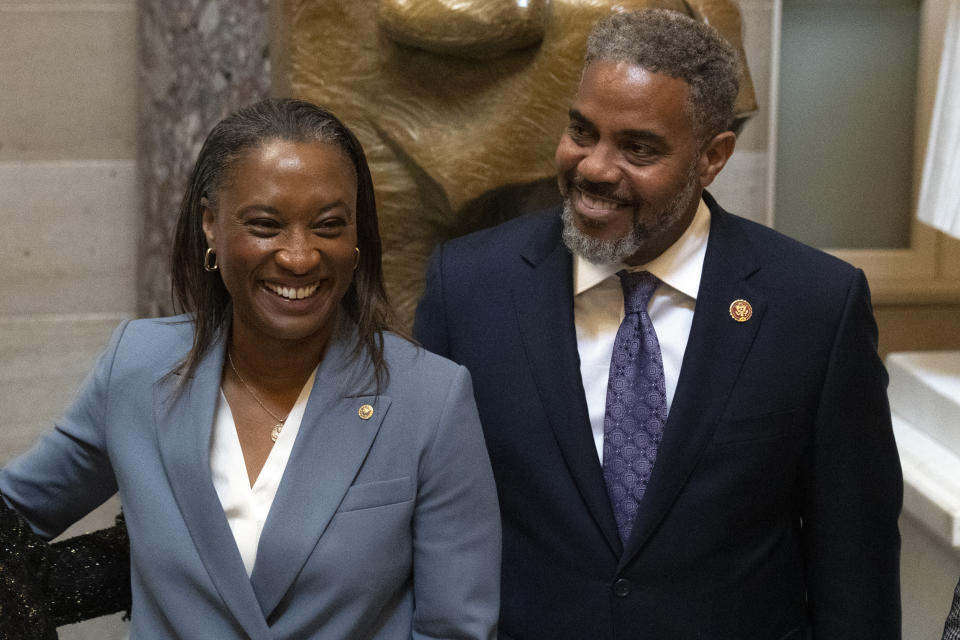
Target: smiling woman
[288,466]
[283,230]
[284,233]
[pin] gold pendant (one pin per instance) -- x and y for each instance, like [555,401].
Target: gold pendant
[275,433]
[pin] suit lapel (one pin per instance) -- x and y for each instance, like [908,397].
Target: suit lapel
[328,452]
[716,350]
[184,426]
[543,297]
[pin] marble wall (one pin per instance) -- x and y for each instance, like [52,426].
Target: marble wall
[199,61]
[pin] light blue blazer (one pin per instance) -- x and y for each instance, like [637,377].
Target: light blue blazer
[381,528]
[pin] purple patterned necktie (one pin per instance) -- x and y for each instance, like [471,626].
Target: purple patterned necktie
[636,403]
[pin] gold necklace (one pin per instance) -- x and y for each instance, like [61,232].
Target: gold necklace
[277,428]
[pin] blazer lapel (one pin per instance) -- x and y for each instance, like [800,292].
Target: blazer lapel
[184,426]
[328,452]
[543,297]
[716,350]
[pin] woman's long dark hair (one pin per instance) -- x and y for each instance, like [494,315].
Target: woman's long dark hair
[203,294]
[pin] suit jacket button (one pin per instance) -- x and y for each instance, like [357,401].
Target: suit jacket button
[622,588]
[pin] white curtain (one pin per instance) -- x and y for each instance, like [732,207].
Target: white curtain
[939,203]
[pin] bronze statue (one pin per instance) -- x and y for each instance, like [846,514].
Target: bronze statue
[458,103]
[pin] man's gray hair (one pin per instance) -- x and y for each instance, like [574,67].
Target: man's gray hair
[671,43]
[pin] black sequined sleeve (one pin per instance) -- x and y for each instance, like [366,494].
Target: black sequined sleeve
[44,585]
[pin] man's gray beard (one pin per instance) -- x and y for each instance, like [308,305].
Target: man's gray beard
[596,250]
[619,249]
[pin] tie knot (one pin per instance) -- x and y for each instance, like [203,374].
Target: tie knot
[638,286]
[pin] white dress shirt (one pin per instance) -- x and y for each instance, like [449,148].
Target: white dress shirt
[247,507]
[598,312]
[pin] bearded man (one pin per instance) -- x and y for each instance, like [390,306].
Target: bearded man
[685,411]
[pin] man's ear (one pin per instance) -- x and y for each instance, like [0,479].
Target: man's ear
[714,156]
[208,219]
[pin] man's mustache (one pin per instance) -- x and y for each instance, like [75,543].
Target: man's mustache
[603,190]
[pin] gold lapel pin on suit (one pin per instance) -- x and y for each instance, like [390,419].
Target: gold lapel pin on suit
[740,310]
[365,412]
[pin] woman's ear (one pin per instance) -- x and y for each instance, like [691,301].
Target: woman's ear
[209,219]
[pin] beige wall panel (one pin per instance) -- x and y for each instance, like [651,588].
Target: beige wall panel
[68,243]
[44,359]
[928,574]
[69,78]
[918,327]
[758,44]
[742,185]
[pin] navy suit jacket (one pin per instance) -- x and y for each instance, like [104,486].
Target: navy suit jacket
[772,510]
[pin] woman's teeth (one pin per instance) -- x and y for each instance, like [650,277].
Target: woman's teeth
[293,293]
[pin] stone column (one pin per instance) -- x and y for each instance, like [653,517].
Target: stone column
[199,61]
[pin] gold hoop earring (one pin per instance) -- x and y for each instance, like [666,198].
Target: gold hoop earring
[357,263]
[209,265]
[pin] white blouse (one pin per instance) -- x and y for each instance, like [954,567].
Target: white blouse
[247,507]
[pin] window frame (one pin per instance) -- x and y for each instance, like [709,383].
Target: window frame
[928,269]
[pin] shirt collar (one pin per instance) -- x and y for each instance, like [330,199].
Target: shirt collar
[680,266]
